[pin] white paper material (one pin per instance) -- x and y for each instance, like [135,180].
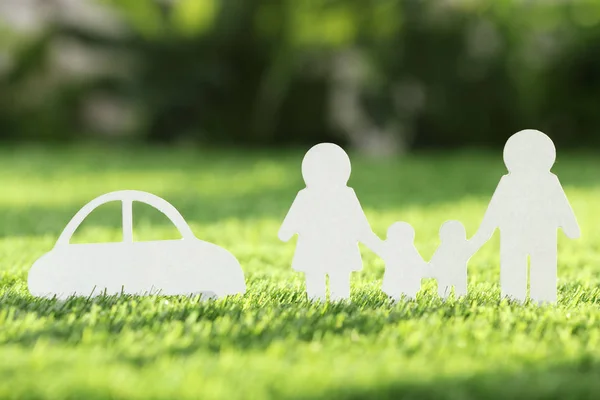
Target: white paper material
[404,266]
[170,267]
[528,207]
[329,222]
[449,262]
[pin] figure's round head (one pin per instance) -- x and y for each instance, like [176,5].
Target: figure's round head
[529,151]
[326,165]
[401,232]
[452,231]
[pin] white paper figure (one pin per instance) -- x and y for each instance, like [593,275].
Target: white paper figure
[169,267]
[528,207]
[329,221]
[449,262]
[404,266]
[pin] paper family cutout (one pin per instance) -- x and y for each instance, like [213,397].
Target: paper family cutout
[528,207]
[168,267]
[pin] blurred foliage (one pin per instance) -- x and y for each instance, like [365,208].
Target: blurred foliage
[452,73]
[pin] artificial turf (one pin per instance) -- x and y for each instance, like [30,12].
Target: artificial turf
[272,343]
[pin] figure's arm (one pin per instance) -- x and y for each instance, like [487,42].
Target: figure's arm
[366,234]
[374,243]
[567,219]
[491,219]
[431,266]
[289,226]
[474,244]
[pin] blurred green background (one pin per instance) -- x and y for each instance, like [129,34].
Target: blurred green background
[377,75]
[157,86]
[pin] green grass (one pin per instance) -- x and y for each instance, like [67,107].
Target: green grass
[271,343]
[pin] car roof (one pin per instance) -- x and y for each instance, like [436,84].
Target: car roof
[127,197]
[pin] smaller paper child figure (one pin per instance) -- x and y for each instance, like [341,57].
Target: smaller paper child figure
[404,266]
[330,223]
[449,262]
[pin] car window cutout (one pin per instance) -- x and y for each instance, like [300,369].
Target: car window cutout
[101,225]
[151,224]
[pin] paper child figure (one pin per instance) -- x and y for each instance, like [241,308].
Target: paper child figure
[449,262]
[404,266]
[330,223]
[528,207]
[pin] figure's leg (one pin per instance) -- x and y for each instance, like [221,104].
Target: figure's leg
[390,284]
[444,289]
[460,287]
[413,288]
[339,285]
[406,286]
[513,271]
[316,286]
[409,295]
[543,273]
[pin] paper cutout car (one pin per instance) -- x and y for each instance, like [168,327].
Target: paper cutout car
[169,267]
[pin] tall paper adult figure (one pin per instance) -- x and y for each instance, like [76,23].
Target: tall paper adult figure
[330,223]
[528,207]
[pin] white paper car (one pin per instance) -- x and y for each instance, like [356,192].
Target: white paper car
[170,267]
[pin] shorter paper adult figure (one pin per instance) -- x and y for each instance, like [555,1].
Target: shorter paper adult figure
[528,207]
[330,223]
[404,266]
[449,262]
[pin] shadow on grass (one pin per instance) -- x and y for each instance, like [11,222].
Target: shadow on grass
[569,380]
